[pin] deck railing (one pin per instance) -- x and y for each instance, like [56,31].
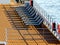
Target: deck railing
[48,19]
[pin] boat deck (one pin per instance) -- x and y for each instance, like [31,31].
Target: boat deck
[15,32]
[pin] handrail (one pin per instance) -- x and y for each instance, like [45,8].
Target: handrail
[48,20]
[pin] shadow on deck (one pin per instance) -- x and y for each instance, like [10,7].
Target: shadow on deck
[18,24]
[47,35]
[14,19]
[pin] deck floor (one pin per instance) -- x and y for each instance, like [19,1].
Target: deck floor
[28,35]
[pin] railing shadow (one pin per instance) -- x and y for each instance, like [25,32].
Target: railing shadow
[47,35]
[15,19]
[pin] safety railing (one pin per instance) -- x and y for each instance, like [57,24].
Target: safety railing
[48,19]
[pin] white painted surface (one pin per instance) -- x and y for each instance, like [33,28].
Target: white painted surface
[3,43]
[4,1]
